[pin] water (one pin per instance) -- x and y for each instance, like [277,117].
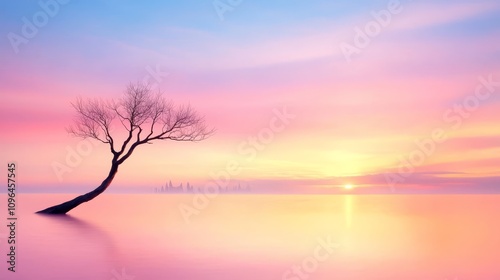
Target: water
[145,237]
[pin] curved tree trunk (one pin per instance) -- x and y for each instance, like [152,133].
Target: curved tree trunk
[65,207]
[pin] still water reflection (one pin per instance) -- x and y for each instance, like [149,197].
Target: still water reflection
[144,237]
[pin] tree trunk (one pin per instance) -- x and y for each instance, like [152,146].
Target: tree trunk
[65,207]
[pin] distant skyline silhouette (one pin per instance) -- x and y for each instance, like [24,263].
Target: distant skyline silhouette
[171,189]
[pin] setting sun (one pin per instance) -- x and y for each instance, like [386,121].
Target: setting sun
[348,187]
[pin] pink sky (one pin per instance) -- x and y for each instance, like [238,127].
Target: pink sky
[353,121]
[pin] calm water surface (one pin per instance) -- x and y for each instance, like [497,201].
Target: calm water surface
[237,237]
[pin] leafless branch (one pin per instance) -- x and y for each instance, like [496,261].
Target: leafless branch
[139,110]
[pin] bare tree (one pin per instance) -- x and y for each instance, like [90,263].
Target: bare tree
[145,116]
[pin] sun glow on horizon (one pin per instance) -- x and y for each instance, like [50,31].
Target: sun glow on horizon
[348,186]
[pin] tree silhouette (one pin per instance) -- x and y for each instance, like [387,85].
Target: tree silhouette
[146,117]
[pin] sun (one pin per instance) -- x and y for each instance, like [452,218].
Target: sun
[348,187]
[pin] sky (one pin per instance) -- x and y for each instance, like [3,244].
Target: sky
[305,96]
